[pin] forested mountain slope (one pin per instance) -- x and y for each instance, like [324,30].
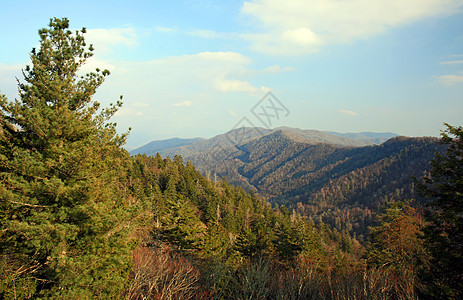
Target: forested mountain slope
[342,181]
[221,228]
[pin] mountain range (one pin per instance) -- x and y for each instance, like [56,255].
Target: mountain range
[189,147]
[343,180]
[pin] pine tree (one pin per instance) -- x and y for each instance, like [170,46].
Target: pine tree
[179,223]
[444,232]
[289,242]
[64,217]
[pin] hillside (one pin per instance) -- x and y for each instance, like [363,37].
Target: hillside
[328,177]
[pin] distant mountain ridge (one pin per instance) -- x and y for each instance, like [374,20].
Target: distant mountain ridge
[189,147]
[376,137]
[162,145]
[340,179]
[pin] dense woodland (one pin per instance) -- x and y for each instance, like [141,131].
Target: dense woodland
[339,182]
[82,219]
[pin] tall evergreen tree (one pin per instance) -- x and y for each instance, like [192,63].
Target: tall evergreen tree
[63,215]
[444,232]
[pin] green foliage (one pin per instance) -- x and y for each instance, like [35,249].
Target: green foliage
[179,222]
[289,237]
[444,232]
[64,217]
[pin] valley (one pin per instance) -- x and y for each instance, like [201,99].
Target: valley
[343,180]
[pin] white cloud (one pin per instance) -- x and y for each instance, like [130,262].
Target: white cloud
[154,91]
[266,71]
[183,103]
[452,62]
[165,29]
[104,39]
[302,26]
[276,69]
[451,79]
[182,80]
[239,86]
[277,44]
[206,70]
[93,63]
[347,112]
[127,111]
[301,36]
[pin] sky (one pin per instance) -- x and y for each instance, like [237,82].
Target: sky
[201,68]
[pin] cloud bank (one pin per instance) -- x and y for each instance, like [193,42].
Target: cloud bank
[296,27]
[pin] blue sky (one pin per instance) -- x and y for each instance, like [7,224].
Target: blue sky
[197,68]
